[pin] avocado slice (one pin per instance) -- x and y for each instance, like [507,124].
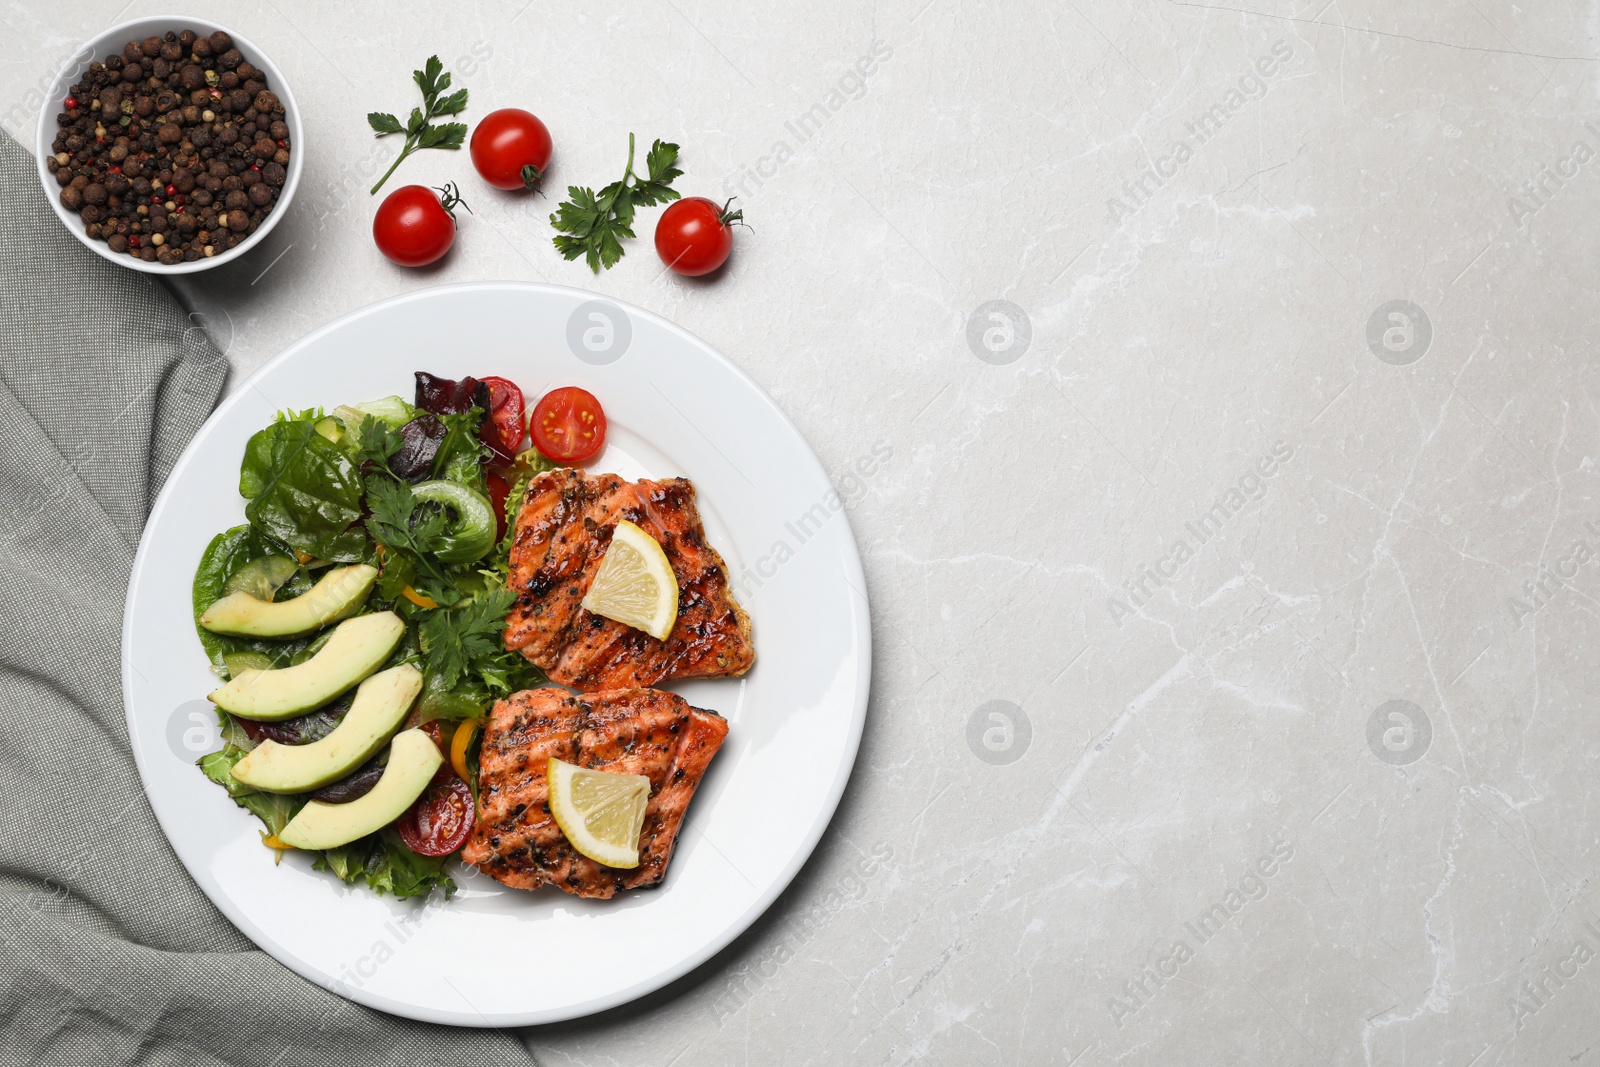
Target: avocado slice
[413,757]
[339,593]
[377,712]
[355,649]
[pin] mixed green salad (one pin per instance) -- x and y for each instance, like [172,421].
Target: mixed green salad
[388,506]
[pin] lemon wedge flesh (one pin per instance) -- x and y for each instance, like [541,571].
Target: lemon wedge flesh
[601,813]
[635,584]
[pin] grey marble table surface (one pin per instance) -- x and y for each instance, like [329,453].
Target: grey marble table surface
[1235,565]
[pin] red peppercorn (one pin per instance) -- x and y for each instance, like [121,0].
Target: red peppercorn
[116,170]
[71,102]
[133,242]
[171,188]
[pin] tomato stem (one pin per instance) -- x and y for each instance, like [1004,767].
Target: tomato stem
[449,197]
[729,218]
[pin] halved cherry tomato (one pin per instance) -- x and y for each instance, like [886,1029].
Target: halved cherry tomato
[502,430]
[499,489]
[442,817]
[568,425]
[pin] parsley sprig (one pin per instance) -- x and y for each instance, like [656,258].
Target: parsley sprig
[399,525]
[467,638]
[376,441]
[420,132]
[593,226]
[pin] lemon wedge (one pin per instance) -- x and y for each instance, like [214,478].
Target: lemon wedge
[601,813]
[635,584]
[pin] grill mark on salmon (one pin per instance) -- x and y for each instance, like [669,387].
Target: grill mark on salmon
[563,529]
[625,731]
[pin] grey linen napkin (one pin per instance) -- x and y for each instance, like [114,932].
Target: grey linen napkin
[109,953]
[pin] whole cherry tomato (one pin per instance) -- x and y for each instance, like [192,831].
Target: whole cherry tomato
[502,430]
[416,225]
[568,425]
[511,148]
[694,236]
[442,817]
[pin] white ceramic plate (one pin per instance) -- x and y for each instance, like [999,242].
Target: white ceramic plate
[676,407]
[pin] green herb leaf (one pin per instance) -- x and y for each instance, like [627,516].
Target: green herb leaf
[593,226]
[660,162]
[396,522]
[452,104]
[376,441]
[450,135]
[454,641]
[432,80]
[427,78]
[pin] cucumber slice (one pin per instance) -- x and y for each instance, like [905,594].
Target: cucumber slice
[262,578]
[474,530]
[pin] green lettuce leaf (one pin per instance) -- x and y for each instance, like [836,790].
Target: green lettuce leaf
[303,490]
[386,865]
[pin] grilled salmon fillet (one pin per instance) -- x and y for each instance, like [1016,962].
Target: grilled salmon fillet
[627,731]
[563,529]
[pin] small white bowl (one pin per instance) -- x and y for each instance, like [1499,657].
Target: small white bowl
[111,42]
